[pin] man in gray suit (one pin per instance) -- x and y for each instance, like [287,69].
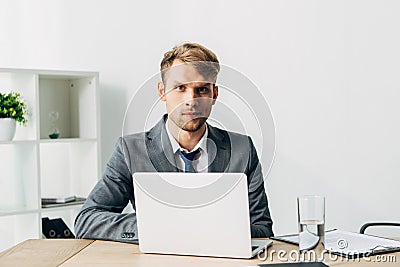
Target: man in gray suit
[180,141]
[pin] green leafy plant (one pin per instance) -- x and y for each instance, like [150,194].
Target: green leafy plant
[12,106]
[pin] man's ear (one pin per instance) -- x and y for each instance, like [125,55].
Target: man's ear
[161,91]
[215,94]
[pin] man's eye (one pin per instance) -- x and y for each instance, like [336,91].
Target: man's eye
[202,90]
[180,87]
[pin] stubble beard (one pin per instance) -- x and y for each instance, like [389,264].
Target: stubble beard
[190,125]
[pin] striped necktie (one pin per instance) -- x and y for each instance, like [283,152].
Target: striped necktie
[188,159]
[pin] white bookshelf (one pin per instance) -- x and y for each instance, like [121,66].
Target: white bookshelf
[33,166]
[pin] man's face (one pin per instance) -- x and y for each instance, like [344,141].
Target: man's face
[189,96]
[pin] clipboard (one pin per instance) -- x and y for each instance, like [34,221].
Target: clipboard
[349,244]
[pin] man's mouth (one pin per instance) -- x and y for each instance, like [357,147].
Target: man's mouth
[192,114]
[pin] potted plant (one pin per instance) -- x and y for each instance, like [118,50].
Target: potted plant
[12,110]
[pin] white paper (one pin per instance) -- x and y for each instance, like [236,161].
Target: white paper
[354,243]
[349,243]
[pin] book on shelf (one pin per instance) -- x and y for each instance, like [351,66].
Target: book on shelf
[50,202]
[58,200]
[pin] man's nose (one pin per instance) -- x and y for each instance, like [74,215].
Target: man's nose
[190,97]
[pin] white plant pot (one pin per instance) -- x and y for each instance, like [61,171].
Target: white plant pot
[7,129]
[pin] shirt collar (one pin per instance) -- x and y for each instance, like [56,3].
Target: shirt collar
[202,144]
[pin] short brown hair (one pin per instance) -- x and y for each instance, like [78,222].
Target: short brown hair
[191,52]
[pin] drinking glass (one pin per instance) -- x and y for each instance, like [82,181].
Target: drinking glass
[311,220]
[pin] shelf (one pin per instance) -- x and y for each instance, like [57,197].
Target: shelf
[17,212]
[74,100]
[17,228]
[65,168]
[25,84]
[67,140]
[18,142]
[18,179]
[63,208]
[33,166]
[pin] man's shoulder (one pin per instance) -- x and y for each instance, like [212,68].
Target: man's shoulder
[132,138]
[230,134]
[141,136]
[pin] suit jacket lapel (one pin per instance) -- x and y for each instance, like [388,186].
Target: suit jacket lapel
[159,148]
[218,149]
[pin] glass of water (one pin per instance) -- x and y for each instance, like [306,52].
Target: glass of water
[311,219]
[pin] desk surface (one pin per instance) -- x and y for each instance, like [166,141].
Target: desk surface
[79,252]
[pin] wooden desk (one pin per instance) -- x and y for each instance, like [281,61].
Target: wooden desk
[42,252]
[78,252]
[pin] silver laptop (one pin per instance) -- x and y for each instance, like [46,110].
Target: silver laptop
[202,214]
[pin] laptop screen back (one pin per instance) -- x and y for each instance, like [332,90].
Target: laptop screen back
[204,214]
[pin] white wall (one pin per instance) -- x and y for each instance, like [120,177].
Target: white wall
[330,71]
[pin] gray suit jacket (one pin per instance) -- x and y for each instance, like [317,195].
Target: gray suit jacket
[100,216]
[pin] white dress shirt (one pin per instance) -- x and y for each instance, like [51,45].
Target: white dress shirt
[200,163]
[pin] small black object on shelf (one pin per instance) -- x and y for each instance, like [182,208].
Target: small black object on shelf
[55,228]
[54,135]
